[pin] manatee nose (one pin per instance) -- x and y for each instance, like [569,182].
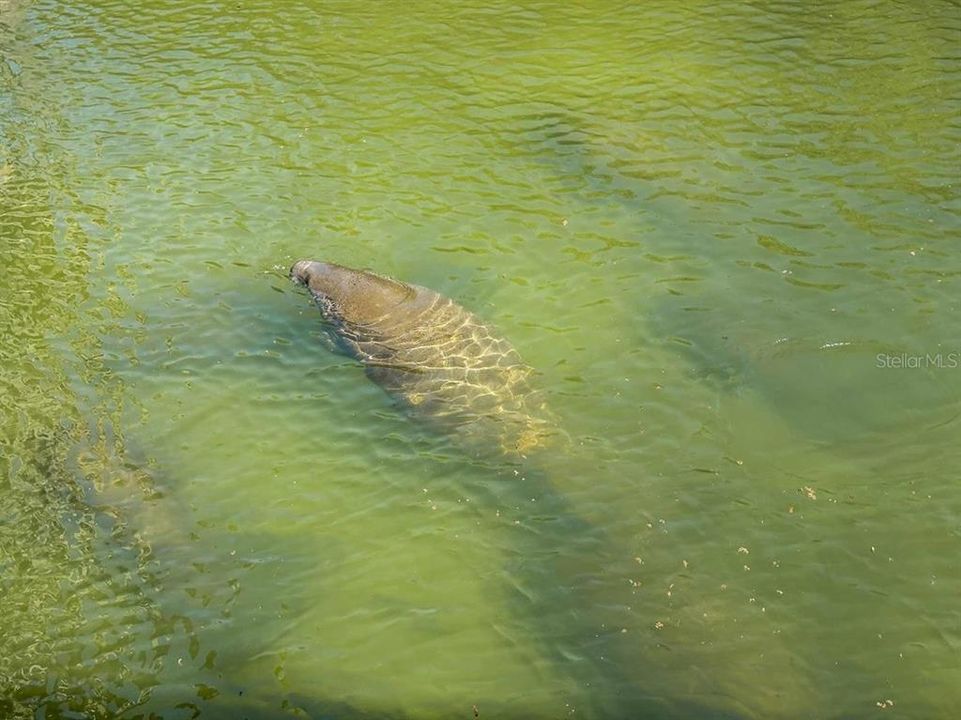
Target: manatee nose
[300,272]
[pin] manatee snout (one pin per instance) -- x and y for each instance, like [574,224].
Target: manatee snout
[300,272]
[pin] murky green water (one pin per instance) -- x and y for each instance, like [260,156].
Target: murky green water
[719,231]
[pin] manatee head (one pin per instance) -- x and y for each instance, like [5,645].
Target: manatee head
[357,297]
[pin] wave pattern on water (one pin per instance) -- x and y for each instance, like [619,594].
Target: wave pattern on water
[720,233]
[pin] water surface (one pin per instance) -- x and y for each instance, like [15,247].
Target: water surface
[724,234]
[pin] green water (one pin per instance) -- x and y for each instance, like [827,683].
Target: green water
[714,229]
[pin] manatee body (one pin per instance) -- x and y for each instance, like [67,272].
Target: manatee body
[431,353]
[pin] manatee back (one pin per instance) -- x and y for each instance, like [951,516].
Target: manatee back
[444,363]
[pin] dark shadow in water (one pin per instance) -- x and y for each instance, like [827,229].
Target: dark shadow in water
[556,560]
[556,576]
[555,581]
[736,315]
[831,389]
[559,590]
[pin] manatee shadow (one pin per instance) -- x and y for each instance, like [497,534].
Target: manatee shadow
[555,565]
[556,559]
[557,569]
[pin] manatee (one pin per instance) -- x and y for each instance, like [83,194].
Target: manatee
[437,358]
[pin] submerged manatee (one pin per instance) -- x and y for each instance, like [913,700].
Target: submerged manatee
[431,353]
